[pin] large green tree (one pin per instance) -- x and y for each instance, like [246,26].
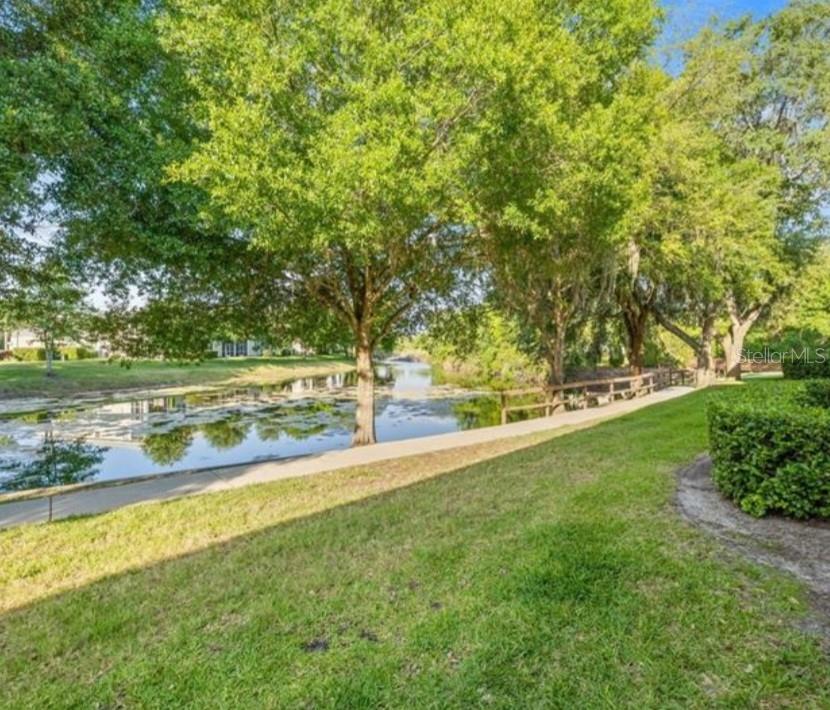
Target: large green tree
[50,301]
[30,136]
[335,134]
[92,111]
[764,88]
[557,164]
[707,228]
[804,314]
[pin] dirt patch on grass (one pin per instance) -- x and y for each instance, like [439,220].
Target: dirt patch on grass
[801,548]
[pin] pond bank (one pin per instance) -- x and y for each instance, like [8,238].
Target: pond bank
[24,387]
[134,438]
[101,498]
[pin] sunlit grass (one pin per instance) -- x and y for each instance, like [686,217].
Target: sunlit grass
[558,575]
[84,376]
[41,559]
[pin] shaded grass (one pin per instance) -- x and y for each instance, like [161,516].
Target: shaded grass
[40,560]
[557,576]
[83,376]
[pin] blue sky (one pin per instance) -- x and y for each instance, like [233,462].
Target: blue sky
[690,15]
[685,17]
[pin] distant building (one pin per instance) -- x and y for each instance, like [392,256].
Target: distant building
[256,348]
[237,348]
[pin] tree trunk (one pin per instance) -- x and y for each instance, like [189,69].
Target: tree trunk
[702,346]
[705,358]
[49,356]
[732,345]
[364,426]
[733,340]
[555,349]
[556,363]
[635,320]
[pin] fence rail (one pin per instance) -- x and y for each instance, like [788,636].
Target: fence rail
[587,393]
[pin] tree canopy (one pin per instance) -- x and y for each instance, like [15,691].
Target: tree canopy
[334,171]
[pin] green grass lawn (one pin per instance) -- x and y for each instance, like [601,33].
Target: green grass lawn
[557,575]
[72,377]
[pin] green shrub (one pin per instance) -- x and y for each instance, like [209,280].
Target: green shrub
[29,354]
[771,453]
[807,363]
[76,352]
[816,393]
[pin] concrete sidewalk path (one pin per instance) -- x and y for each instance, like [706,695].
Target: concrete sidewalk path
[104,497]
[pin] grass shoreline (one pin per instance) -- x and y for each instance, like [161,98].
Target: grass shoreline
[99,377]
[555,575]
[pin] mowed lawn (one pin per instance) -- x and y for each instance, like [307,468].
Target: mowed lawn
[558,575]
[84,376]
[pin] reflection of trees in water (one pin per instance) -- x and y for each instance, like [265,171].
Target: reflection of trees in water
[168,447]
[303,420]
[226,433]
[477,412]
[300,421]
[58,463]
[271,429]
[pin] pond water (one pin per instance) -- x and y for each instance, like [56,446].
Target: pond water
[123,439]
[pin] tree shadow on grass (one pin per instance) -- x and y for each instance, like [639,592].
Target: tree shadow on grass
[489,586]
[294,596]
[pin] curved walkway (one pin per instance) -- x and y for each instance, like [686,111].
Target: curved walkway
[103,497]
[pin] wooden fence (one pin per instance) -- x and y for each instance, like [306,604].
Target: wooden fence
[587,393]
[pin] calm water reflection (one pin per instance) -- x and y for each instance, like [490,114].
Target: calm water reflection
[237,425]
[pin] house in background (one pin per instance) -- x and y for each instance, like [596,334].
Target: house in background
[256,348]
[236,348]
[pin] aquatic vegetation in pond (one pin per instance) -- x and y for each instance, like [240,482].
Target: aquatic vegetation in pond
[35,417]
[57,463]
[273,429]
[298,432]
[237,425]
[477,412]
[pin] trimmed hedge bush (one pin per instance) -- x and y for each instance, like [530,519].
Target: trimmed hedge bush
[76,352]
[816,393]
[29,354]
[69,352]
[815,365]
[770,452]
